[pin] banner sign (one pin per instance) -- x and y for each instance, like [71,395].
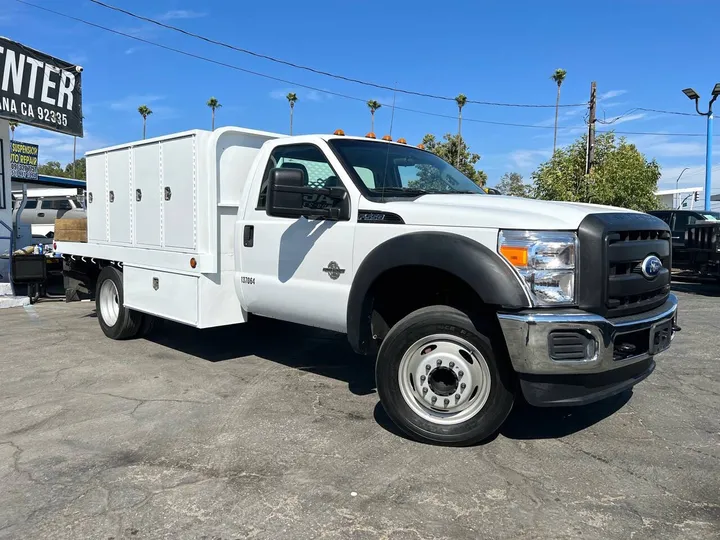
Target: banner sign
[23,161]
[39,90]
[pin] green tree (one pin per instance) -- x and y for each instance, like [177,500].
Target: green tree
[621,175]
[52,168]
[373,106]
[455,150]
[558,76]
[13,124]
[144,111]
[512,184]
[214,104]
[76,169]
[292,99]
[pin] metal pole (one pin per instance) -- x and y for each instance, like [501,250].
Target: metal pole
[708,162]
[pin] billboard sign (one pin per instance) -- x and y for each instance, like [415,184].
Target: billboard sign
[40,90]
[23,161]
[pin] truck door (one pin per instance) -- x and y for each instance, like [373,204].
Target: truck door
[296,269]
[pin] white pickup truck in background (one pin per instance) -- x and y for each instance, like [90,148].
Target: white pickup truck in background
[468,300]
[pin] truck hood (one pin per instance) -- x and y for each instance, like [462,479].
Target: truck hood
[493,211]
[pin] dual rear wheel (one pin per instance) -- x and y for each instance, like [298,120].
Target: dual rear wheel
[117,321]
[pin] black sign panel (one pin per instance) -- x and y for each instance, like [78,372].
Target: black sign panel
[39,90]
[23,161]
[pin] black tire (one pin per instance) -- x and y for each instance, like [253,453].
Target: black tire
[148,325]
[444,320]
[128,321]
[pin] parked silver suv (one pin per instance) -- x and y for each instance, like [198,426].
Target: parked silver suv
[41,211]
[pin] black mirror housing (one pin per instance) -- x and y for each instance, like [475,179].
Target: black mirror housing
[288,195]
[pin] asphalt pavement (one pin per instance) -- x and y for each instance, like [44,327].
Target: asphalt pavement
[269,430]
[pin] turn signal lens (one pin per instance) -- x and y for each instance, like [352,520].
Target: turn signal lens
[370,135]
[402,141]
[339,132]
[387,138]
[517,256]
[421,146]
[193,263]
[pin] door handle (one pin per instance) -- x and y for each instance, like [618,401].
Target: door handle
[249,235]
[41,214]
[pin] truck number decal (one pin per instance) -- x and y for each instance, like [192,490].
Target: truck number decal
[247,280]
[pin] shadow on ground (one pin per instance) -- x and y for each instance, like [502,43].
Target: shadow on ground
[329,354]
[308,349]
[700,288]
[527,423]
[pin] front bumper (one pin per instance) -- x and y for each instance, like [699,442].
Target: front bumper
[548,381]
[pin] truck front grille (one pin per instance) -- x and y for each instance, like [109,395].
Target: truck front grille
[628,289]
[702,236]
[612,250]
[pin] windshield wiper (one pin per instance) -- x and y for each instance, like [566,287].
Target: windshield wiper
[409,191]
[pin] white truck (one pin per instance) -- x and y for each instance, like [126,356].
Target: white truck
[468,300]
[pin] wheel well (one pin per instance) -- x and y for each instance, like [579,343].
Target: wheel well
[402,290]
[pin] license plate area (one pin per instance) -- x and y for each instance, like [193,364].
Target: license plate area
[660,337]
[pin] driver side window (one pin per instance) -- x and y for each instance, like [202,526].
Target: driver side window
[309,159]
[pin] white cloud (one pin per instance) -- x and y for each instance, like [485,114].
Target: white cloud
[175,14]
[132,102]
[611,94]
[302,95]
[693,176]
[665,146]
[57,146]
[132,50]
[528,158]
[621,119]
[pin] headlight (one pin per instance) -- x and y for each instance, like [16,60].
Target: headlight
[545,260]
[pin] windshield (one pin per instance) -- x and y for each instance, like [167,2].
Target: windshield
[391,170]
[711,216]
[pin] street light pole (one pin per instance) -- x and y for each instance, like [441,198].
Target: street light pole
[693,95]
[676,184]
[708,157]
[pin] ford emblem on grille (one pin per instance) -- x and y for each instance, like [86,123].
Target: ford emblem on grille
[651,266]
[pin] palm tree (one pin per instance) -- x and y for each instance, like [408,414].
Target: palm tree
[13,124]
[374,106]
[461,100]
[144,111]
[558,76]
[213,104]
[292,98]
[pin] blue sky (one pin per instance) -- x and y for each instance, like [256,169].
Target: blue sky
[636,50]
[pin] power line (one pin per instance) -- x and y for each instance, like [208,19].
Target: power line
[654,133]
[311,69]
[251,72]
[321,90]
[665,112]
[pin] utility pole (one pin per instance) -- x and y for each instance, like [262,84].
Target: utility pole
[591,128]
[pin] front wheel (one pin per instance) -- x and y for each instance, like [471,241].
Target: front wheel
[440,379]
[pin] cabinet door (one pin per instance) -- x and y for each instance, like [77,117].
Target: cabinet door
[97,198]
[119,186]
[179,193]
[147,197]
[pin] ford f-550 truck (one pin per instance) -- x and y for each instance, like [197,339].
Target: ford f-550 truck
[468,300]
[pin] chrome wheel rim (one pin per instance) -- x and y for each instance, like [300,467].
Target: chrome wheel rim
[444,379]
[109,302]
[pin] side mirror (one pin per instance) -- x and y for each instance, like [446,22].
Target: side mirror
[288,195]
